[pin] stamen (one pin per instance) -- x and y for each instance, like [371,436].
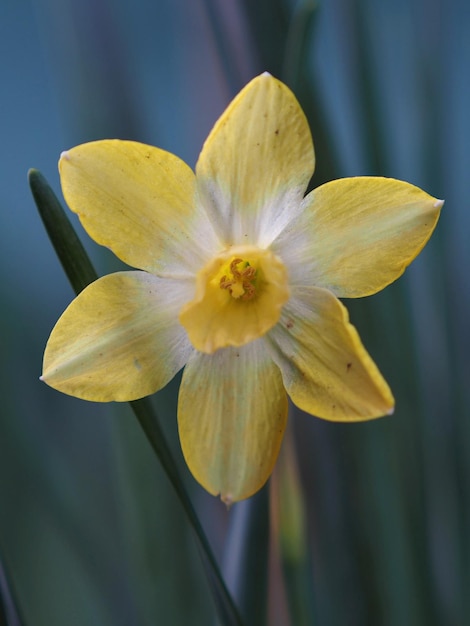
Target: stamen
[241,285]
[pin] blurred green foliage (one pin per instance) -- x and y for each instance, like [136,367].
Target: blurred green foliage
[90,529]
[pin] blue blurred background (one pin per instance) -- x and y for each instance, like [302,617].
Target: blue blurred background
[90,531]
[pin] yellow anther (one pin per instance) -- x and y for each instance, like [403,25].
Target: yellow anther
[241,284]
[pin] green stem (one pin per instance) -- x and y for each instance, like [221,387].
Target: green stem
[81,273]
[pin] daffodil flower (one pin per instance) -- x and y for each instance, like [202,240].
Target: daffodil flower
[239,275]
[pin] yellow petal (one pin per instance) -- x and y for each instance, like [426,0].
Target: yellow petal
[119,339]
[232,413]
[256,164]
[239,296]
[325,368]
[139,201]
[357,235]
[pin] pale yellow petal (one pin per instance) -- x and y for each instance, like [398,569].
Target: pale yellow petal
[119,339]
[256,164]
[325,368]
[139,201]
[232,415]
[357,235]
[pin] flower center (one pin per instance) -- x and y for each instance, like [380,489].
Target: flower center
[242,282]
[239,297]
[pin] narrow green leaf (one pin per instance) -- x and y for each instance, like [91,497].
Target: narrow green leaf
[217,27]
[246,557]
[293,541]
[69,248]
[80,273]
[296,73]
[298,41]
[9,612]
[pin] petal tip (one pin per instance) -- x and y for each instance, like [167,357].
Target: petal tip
[438,204]
[65,155]
[227,499]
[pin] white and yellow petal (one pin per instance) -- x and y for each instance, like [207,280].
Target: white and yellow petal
[256,163]
[119,339]
[357,235]
[325,368]
[232,413]
[139,201]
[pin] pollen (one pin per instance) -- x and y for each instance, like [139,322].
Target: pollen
[241,283]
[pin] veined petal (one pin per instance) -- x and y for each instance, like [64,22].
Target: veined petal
[232,413]
[119,339]
[256,164]
[325,368]
[357,235]
[139,201]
